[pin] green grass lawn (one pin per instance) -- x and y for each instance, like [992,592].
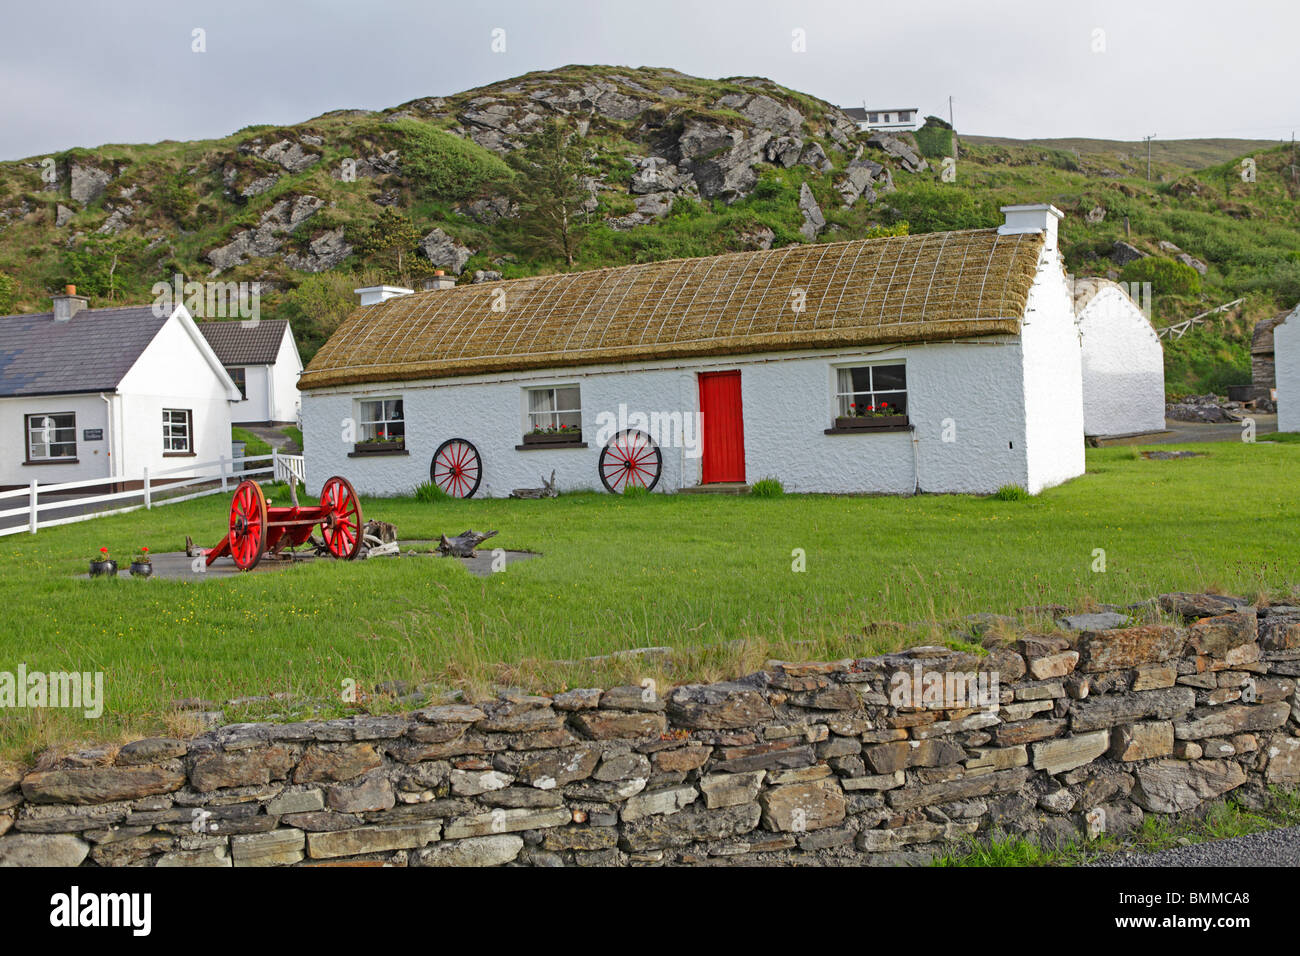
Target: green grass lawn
[710,575]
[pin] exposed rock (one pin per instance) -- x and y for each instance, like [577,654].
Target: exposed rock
[803,806]
[259,186]
[1193,262]
[896,147]
[813,220]
[276,848]
[1128,647]
[269,236]
[730,175]
[22,849]
[491,210]
[444,251]
[88,183]
[1066,753]
[287,154]
[1097,621]
[325,252]
[1122,253]
[763,111]
[1142,741]
[62,214]
[371,840]
[486,275]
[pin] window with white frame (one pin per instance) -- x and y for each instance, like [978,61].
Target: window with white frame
[51,436]
[381,420]
[869,390]
[178,431]
[555,410]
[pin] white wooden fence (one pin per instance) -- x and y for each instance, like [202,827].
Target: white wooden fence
[156,488]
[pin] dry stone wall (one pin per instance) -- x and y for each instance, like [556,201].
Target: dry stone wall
[872,761]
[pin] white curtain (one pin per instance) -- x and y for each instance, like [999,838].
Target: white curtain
[845,389]
[541,403]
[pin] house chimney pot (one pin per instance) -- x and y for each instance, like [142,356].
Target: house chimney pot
[1032,217]
[439,281]
[374,294]
[68,304]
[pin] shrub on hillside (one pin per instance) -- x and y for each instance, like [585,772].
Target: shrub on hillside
[1165,275]
[934,139]
[442,166]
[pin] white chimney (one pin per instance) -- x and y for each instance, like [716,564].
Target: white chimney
[374,294]
[1034,217]
[68,304]
[439,281]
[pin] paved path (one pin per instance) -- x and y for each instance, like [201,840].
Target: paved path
[1267,848]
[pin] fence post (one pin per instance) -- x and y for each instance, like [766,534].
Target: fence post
[275,463]
[148,498]
[31,502]
[221,464]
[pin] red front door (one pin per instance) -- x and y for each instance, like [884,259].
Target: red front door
[723,427]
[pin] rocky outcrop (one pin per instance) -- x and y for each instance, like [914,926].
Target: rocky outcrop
[325,252]
[813,220]
[269,235]
[285,153]
[897,148]
[444,251]
[88,183]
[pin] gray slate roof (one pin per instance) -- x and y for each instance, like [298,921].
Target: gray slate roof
[237,345]
[91,352]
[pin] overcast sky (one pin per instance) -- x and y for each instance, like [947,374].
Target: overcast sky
[85,72]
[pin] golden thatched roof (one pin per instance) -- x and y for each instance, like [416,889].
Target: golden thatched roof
[929,287]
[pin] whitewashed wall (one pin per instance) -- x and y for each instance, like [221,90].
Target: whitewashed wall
[1053,395]
[284,405]
[971,392]
[1286,353]
[257,406]
[92,459]
[1123,367]
[171,373]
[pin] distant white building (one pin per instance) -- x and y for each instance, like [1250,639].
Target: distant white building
[1123,362]
[897,118]
[1286,356]
[104,393]
[262,359]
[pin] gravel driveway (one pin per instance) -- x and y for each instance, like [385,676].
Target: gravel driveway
[1267,848]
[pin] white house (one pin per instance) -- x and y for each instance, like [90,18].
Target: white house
[900,118]
[946,362]
[1286,358]
[1123,362]
[262,359]
[104,393]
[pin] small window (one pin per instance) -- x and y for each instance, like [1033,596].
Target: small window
[382,421]
[177,431]
[873,117]
[555,411]
[236,373]
[51,436]
[871,391]
[905,116]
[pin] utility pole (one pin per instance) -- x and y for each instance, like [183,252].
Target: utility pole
[954,129]
[1149,139]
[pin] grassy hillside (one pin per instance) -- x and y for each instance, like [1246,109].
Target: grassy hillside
[291,206]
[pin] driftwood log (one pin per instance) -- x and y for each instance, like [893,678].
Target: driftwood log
[546,491]
[379,538]
[464,544]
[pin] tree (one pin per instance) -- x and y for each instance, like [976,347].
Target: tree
[390,246]
[104,266]
[318,306]
[551,188]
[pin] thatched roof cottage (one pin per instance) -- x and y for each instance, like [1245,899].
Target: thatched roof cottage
[946,362]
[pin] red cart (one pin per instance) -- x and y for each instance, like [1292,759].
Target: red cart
[256,529]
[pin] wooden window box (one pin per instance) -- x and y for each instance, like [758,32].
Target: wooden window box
[870,422]
[554,438]
[365,449]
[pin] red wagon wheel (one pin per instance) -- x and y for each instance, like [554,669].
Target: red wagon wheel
[630,460]
[247,525]
[341,521]
[457,468]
